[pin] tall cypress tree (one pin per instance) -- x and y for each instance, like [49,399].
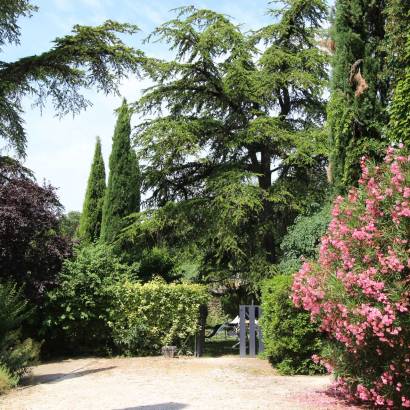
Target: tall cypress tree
[399,127]
[90,223]
[398,69]
[397,14]
[123,189]
[135,182]
[357,111]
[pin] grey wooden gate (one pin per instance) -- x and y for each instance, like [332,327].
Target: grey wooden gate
[250,333]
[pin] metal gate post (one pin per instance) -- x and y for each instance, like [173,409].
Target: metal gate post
[242,331]
[252,335]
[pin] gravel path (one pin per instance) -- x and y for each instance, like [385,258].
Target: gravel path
[167,384]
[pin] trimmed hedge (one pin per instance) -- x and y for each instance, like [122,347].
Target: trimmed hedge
[289,337]
[98,308]
[149,316]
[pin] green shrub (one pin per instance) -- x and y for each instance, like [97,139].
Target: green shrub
[358,289]
[78,311]
[290,338]
[302,240]
[16,354]
[149,316]
[157,262]
[7,380]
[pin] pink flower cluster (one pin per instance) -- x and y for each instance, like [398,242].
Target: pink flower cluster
[359,290]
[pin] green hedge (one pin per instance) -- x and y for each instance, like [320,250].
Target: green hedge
[99,308]
[290,338]
[155,314]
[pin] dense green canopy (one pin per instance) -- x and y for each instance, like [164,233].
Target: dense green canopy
[357,109]
[230,137]
[91,217]
[122,196]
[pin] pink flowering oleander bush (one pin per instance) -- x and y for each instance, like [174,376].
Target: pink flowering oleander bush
[359,289]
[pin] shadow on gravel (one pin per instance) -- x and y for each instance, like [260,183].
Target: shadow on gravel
[161,406]
[57,377]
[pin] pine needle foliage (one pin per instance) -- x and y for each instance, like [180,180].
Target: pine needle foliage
[231,137]
[357,111]
[88,57]
[91,217]
[122,195]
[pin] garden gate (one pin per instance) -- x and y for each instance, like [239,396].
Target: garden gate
[250,333]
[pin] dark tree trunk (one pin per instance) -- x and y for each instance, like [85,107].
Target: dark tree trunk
[200,339]
[265,182]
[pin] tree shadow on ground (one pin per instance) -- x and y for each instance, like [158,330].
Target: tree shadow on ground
[160,406]
[57,377]
[217,347]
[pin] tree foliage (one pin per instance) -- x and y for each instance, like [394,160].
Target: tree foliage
[399,127]
[302,240]
[360,87]
[69,224]
[122,195]
[90,223]
[31,246]
[397,15]
[89,57]
[239,148]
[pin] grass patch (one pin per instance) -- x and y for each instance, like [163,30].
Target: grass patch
[218,346]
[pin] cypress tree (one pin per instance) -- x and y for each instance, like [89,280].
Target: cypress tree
[357,111]
[399,129]
[397,14]
[90,222]
[135,183]
[398,70]
[122,194]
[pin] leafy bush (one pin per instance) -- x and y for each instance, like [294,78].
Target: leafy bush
[149,316]
[97,308]
[7,380]
[16,355]
[358,290]
[289,337]
[31,247]
[303,239]
[157,262]
[78,311]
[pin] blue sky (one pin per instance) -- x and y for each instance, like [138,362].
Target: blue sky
[60,151]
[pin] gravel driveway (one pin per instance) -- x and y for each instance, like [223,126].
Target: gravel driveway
[169,384]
